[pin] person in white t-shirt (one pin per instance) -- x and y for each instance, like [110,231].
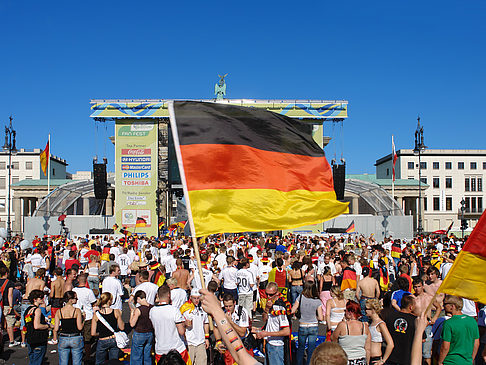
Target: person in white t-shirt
[86,300]
[123,261]
[149,288]
[221,257]
[169,326]
[246,282]
[178,295]
[112,285]
[228,275]
[83,260]
[197,328]
[115,250]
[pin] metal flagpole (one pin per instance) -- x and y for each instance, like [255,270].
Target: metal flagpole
[49,176]
[393,169]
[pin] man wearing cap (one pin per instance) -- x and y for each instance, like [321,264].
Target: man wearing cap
[197,328]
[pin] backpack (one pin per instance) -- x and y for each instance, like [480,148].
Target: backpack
[2,290]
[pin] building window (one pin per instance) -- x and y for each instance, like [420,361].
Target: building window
[387,172]
[53,172]
[484,165]
[466,184]
[448,165]
[3,204]
[448,182]
[473,204]
[473,184]
[435,165]
[3,183]
[15,179]
[480,183]
[436,203]
[448,203]
[480,204]
[467,205]
[15,165]
[460,165]
[28,178]
[28,165]
[425,204]
[424,180]
[423,165]
[410,178]
[410,165]
[435,182]
[3,166]
[473,165]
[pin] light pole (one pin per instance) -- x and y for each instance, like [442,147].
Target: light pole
[9,146]
[419,148]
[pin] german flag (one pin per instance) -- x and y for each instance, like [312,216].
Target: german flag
[44,159]
[125,232]
[115,227]
[466,276]
[161,224]
[351,228]
[141,222]
[248,169]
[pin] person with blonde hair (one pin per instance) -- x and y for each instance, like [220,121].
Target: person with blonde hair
[329,353]
[335,308]
[378,332]
[93,271]
[106,338]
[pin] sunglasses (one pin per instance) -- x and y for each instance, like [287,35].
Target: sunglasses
[270,294]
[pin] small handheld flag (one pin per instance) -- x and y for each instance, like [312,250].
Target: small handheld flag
[351,228]
[141,222]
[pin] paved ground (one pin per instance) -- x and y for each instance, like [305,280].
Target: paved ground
[19,356]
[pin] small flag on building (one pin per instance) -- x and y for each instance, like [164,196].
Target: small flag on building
[351,228]
[141,222]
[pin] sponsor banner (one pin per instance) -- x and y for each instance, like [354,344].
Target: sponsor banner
[136,178]
[136,167]
[136,151]
[136,159]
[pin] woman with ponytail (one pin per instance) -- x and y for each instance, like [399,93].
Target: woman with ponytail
[68,324]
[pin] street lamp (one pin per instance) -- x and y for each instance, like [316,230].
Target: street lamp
[419,148]
[9,146]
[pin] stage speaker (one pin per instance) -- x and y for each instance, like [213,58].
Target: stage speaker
[100,185]
[339,176]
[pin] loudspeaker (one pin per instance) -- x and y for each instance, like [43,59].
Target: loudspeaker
[339,176]
[100,185]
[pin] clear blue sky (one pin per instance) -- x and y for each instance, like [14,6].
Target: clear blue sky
[391,59]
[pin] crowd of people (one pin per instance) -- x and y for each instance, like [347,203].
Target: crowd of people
[279,300]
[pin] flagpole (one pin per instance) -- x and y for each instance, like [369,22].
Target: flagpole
[393,175]
[177,146]
[49,175]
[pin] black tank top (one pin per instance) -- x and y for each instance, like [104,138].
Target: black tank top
[68,325]
[326,285]
[111,319]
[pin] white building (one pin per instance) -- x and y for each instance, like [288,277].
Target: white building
[25,166]
[451,175]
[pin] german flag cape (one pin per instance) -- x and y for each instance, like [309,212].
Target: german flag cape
[467,277]
[349,279]
[247,169]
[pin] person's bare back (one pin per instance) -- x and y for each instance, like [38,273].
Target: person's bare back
[182,276]
[58,288]
[368,287]
[32,284]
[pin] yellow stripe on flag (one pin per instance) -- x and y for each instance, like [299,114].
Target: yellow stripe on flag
[252,210]
[466,278]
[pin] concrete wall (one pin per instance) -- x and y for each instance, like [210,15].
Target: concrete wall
[77,225]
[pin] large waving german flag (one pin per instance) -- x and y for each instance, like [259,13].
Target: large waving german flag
[249,169]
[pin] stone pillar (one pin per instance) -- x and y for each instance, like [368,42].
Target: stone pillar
[400,202]
[109,203]
[33,205]
[354,205]
[85,206]
[26,210]
[16,215]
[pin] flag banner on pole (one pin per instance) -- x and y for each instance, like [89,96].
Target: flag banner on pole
[141,222]
[467,277]
[44,159]
[248,170]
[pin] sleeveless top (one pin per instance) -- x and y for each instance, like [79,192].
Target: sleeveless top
[326,285]
[93,270]
[111,319]
[35,337]
[144,324]
[68,325]
[337,313]
[375,334]
[353,345]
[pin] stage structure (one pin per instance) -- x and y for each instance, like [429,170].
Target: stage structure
[147,181]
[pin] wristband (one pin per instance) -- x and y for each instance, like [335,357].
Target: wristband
[218,342]
[206,336]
